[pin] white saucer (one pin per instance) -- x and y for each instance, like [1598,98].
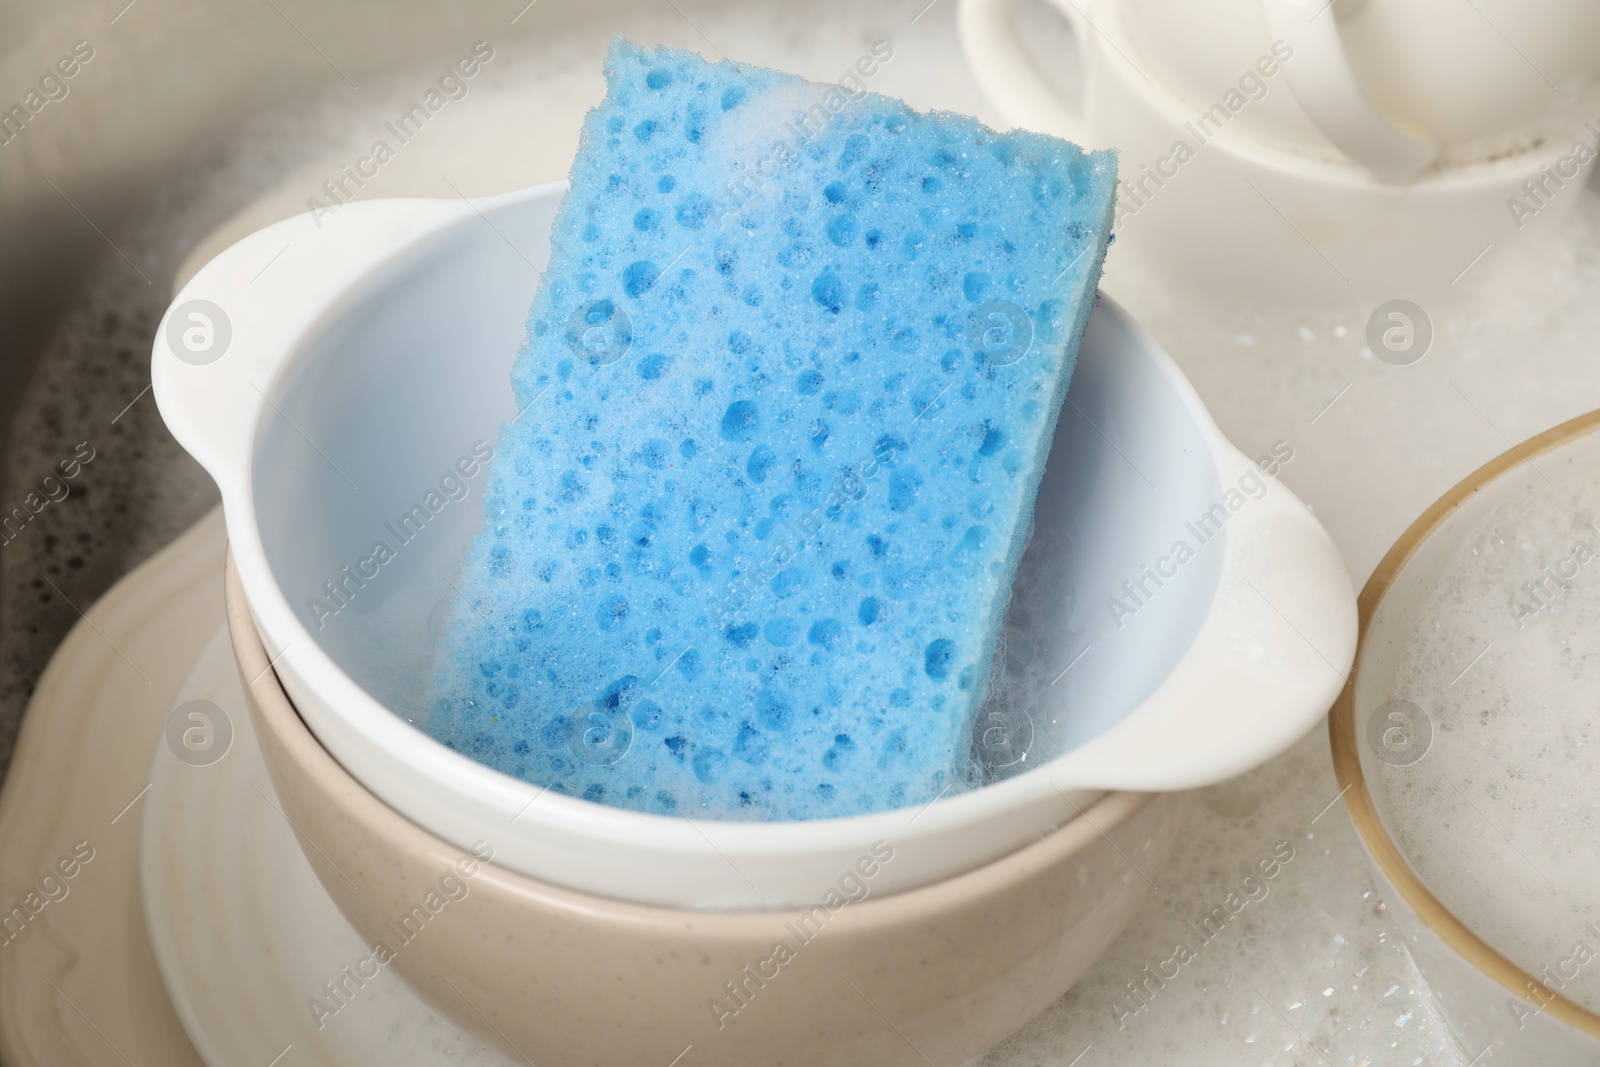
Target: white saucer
[239,930]
[80,987]
[243,932]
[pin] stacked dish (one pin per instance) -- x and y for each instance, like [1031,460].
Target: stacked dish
[330,393]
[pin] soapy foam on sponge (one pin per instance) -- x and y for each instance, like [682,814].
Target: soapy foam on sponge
[785,402]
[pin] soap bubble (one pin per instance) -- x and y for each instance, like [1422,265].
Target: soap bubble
[1004,736]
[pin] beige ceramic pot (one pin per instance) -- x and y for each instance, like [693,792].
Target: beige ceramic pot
[561,978]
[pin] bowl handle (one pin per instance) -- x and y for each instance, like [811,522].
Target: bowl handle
[233,330]
[1274,651]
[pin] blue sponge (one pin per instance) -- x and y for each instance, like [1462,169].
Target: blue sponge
[786,398]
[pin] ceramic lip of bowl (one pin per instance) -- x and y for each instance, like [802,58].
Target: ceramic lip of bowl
[1198,711]
[1344,733]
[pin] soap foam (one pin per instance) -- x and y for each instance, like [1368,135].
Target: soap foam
[1501,816]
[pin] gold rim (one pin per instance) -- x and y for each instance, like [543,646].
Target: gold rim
[1347,760]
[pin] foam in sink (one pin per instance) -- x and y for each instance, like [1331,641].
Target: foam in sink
[786,397]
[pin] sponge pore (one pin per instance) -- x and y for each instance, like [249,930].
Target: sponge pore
[786,397]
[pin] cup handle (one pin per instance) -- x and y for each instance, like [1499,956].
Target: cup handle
[1008,75]
[1327,90]
[1272,654]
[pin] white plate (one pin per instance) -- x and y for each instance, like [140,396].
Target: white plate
[243,932]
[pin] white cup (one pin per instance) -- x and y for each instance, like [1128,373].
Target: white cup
[1284,151]
[1476,79]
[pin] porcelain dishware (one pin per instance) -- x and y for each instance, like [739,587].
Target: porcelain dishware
[1313,154]
[561,977]
[347,381]
[1501,963]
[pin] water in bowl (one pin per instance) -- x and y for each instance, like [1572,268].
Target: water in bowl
[1488,744]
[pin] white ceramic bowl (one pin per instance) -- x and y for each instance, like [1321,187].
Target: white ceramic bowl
[337,372]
